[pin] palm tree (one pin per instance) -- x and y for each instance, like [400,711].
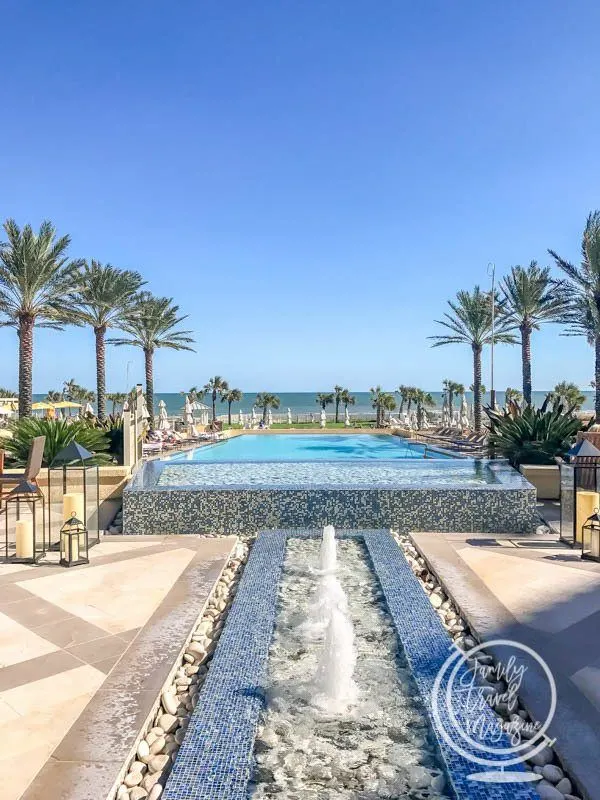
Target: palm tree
[151,323]
[422,399]
[512,396]
[53,396]
[567,393]
[583,318]
[470,322]
[117,399]
[7,393]
[231,396]
[403,391]
[324,399]
[348,399]
[193,394]
[338,393]
[36,281]
[215,387]
[104,295]
[531,298]
[381,402]
[411,396]
[451,388]
[266,400]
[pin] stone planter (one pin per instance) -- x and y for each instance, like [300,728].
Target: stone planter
[545,478]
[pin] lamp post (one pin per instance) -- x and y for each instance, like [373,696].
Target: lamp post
[492,274]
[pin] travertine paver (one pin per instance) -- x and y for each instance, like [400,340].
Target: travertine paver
[79,645]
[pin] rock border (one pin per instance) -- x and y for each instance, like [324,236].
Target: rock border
[147,768]
[555,783]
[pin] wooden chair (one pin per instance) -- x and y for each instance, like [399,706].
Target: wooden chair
[32,468]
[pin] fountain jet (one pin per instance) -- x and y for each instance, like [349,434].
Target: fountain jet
[328,560]
[334,681]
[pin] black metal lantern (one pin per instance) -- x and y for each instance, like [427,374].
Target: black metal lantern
[71,471]
[579,490]
[590,546]
[23,506]
[73,543]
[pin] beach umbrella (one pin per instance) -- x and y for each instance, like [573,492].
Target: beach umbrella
[188,412]
[413,422]
[323,422]
[145,413]
[163,419]
[346,417]
[253,415]
[42,406]
[289,416]
[241,418]
[88,410]
[269,418]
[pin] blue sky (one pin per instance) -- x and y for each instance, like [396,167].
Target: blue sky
[309,180]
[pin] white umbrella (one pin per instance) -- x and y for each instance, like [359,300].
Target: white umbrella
[253,415]
[241,418]
[88,410]
[464,412]
[346,417]
[269,418]
[161,405]
[414,423]
[323,418]
[188,412]
[289,416]
[163,419]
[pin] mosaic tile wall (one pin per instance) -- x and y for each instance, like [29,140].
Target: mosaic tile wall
[215,760]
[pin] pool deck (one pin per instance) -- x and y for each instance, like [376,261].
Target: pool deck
[537,591]
[81,646]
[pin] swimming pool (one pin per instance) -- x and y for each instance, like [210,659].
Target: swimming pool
[301,447]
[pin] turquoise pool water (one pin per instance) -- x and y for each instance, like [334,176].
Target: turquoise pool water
[316,447]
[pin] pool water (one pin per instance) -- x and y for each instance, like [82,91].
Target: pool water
[316,447]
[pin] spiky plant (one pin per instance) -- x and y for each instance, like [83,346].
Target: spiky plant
[533,435]
[231,396]
[532,297]
[104,295]
[59,433]
[36,280]
[153,323]
[470,322]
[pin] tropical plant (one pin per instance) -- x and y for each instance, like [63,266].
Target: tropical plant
[104,295]
[422,399]
[531,435]
[583,317]
[567,394]
[77,394]
[152,323]
[324,399]
[215,387]
[266,400]
[7,393]
[117,399]
[452,388]
[403,392]
[348,399]
[482,389]
[512,396]
[194,394]
[338,394]
[36,280]
[53,396]
[59,433]
[531,298]
[470,322]
[382,401]
[112,427]
[411,397]
[229,397]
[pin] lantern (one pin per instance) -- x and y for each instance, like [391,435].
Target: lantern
[23,506]
[73,543]
[590,547]
[74,481]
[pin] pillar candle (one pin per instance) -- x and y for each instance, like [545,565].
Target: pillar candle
[73,504]
[24,537]
[587,503]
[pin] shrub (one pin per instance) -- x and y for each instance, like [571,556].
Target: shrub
[59,433]
[112,427]
[533,435]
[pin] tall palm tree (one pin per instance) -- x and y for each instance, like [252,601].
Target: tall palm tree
[567,393]
[381,401]
[403,392]
[348,399]
[583,318]
[411,396]
[338,393]
[117,399]
[512,396]
[36,281]
[531,298]
[215,387]
[152,323]
[231,396]
[470,322]
[422,399]
[193,394]
[69,389]
[53,396]
[451,388]
[324,399]
[266,400]
[104,295]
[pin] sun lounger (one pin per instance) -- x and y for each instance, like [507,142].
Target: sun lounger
[32,468]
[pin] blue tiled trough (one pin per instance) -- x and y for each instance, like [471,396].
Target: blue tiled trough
[215,760]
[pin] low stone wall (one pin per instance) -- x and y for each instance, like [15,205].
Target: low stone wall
[113,480]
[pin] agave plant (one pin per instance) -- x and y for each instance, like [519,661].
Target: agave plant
[534,435]
[59,433]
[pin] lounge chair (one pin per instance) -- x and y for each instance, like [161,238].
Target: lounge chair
[32,468]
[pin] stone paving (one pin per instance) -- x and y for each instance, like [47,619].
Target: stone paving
[536,591]
[84,653]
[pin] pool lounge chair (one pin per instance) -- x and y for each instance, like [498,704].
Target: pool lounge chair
[32,468]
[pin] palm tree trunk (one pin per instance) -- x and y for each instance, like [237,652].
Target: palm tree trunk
[526,362]
[265,414]
[25,364]
[101,371]
[477,387]
[229,412]
[214,405]
[337,410]
[408,405]
[148,357]
[401,409]
[597,377]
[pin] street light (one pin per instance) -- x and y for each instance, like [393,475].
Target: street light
[491,268]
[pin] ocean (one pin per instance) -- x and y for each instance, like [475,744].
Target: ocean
[305,402]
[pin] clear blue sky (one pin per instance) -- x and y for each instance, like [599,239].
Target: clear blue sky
[309,180]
